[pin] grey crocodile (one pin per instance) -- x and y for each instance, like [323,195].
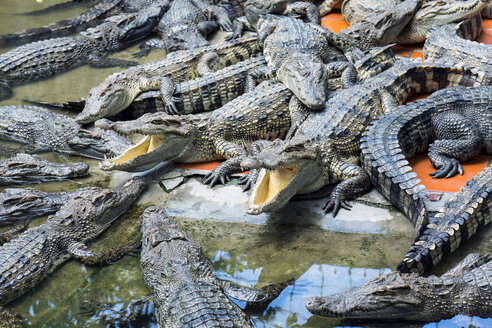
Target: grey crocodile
[465,289]
[431,14]
[45,58]
[24,168]
[23,204]
[186,25]
[456,123]
[40,129]
[325,146]
[451,44]
[33,255]
[225,133]
[185,290]
[118,91]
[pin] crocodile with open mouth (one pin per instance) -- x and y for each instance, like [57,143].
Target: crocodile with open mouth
[325,146]
[457,124]
[33,255]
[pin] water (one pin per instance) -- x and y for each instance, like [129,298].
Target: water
[324,255]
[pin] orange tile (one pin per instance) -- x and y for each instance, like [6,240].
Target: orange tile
[200,166]
[485,37]
[422,166]
[487,24]
[334,25]
[407,47]
[401,52]
[417,54]
[417,97]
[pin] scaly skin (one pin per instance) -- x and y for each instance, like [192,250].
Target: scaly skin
[119,90]
[185,290]
[325,146]
[43,130]
[431,14]
[456,123]
[203,94]
[44,58]
[451,44]
[23,204]
[465,289]
[31,257]
[24,168]
[225,133]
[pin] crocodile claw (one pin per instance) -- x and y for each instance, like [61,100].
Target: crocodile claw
[334,203]
[142,53]
[214,177]
[249,179]
[448,170]
[170,108]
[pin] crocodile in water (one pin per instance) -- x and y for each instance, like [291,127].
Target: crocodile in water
[185,290]
[465,289]
[457,122]
[48,57]
[118,91]
[40,129]
[24,168]
[325,146]
[29,258]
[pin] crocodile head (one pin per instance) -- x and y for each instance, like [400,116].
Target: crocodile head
[286,169]
[166,137]
[391,296]
[307,77]
[98,143]
[253,9]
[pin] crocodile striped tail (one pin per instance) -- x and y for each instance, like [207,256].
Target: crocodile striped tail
[401,134]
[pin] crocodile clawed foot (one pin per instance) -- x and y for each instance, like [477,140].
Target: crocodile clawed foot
[92,306]
[170,106]
[213,178]
[5,91]
[448,170]
[142,53]
[249,179]
[334,204]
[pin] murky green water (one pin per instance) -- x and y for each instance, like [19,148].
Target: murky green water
[322,261]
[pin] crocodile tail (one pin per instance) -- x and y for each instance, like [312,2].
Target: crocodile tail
[470,28]
[62,28]
[459,219]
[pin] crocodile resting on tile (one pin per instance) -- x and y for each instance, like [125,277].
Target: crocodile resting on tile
[457,124]
[465,290]
[451,44]
[325,146]
[33,255]
[118,91]
[431,14]
[48,57]
[24,168]
[184,288]
[40,129]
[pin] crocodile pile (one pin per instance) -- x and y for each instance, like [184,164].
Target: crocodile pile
[299,106]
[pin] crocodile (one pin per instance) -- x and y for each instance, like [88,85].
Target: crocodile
[457,124]
[40,129]
[431,14]
[23,204]
[184,288]
[221,134]
[203,94]
[118,91]
[25,168]
[186,25]
[465,290]
[451,44]
[34,254]
[44,58]
[325,146]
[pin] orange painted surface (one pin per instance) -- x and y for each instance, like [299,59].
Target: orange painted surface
[485,37]
[201,166]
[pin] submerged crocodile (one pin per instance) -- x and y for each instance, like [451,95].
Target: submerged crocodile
[465,289]
[44,58]
[325,146]
[186,25]
[118,91]
[24,168]
[457,124]
[225,133]
[29,258]
[40,129]
[451,44]
[23,204]
[185,290]
[431,14]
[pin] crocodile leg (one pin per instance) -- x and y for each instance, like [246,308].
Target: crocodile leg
[326,6]
[344,69]
[265,31]
[104,62]
[355,183]
[234,155]
[207,27]
[106,313]
[10,234]
[5,90]
[10,319]
[82,253]
[219,13]
[310,10]
[147,46]
[250,179]
[238,27]
[458,140]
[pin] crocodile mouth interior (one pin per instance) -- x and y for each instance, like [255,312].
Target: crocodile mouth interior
[272,182]
[145,146]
